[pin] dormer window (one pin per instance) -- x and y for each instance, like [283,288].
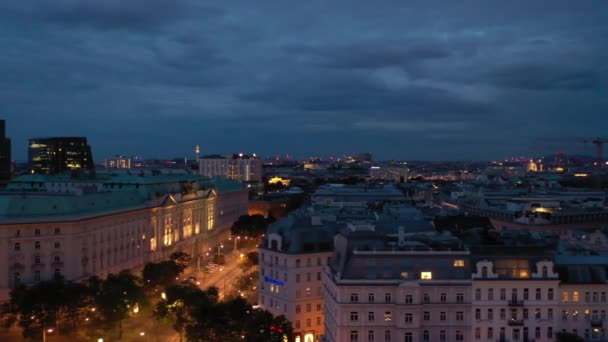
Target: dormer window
[545,271]
[458,263]
[484,272]
[426,275]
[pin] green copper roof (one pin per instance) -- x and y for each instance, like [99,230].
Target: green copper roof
[23,201]
[45,204]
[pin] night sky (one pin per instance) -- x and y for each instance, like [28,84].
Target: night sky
[401,79]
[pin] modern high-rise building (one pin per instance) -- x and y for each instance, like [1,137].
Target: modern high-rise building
[59,154]
[5,153]
[240,167]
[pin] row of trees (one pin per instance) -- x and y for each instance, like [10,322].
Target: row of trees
[97,307]
[199,316]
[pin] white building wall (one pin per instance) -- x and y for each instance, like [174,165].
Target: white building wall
[81,247]
[300,299]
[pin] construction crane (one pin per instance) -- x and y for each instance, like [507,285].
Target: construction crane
[599,149]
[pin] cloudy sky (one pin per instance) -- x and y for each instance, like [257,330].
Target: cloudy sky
[401,79]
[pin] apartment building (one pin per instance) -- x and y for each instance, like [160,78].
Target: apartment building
[583,295]
[377,293]
[515,294]
[292,257]
[378,288]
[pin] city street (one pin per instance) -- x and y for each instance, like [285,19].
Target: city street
[225,276]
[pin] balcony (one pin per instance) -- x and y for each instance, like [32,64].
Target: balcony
[596,323]
[516,303]
[515,322]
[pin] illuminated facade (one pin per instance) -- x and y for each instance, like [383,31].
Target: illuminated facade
[59,154]
[118,162]
[132,220]
[242,168]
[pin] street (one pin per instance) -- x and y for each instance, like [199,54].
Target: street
[225,276]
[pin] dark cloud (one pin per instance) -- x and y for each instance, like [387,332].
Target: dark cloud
[118,14]
[413,79]
[372,55]
[349,94]
[546,77]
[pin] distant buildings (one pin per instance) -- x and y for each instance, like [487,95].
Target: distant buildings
[336,194]
[551,210]
[79,227]
[389,275]
[118,162]
[5,153]
[239,167]
[59,154]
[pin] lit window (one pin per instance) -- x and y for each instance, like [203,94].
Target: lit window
[575,296]
[565,297]
[426,275]
[459,263]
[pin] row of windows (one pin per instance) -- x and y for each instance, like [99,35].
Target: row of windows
[276,260]
[37,231]
[525,294]
[513,314]
[17,245]
[590,297]
[308,307]
[299,277]
[574,315]
[516,334]
[308,322]
[409,299]
[409,317]
[407,336]
[37,276]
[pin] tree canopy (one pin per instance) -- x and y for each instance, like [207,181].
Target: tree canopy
[250,225]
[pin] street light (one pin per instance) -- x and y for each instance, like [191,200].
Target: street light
[236,239]
[44,332]
[218,253]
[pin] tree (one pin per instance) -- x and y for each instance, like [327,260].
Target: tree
[116,297]
[177,306]
[161,274]
[50,304]
[262,326]
[181,259]
[250,225]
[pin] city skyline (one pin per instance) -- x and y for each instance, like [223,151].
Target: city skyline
[412,80]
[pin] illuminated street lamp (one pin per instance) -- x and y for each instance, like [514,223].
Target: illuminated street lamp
[236,239]
[218,253]
[46,331]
